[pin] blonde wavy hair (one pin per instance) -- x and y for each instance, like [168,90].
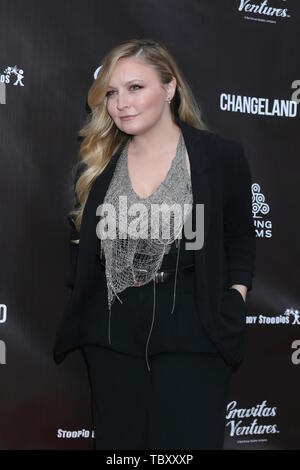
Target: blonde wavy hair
[102,138]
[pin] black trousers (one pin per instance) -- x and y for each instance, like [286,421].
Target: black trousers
[180,404]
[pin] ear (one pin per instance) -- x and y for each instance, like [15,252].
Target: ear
[172,87]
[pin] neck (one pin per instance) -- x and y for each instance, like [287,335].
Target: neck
[159,138]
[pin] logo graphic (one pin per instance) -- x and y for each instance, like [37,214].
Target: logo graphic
[3,313]
[3,317]
[258,105]
[2,352]
[295,358]
[14,72]
[295,96]
[2,93]
[290,317]
[262,11]
[7,77]
[259,425]
[290,313]
[75,434]
[259,206]
[97,72]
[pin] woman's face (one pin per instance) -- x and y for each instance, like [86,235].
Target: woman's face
[135,90]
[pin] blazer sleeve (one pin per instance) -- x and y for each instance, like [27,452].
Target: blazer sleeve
[239,229]
[74,235]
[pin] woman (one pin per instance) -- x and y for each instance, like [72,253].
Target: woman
[160,319]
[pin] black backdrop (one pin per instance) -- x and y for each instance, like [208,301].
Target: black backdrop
[243,64]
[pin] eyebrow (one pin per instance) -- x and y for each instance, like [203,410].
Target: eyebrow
[130,81]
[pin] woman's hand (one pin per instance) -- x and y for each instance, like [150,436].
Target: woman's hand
[241,288]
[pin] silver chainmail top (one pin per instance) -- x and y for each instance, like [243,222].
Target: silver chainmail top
[133,259]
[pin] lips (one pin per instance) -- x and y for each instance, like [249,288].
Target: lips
[128,117]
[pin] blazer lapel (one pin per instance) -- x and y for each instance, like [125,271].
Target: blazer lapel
[200,168]
[201,188]
[90,244]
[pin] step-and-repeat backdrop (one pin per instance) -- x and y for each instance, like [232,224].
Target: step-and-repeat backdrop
[241,58]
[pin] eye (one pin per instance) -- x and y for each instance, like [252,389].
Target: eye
[112,91]
[136,85]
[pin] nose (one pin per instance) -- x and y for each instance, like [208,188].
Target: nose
[122,101]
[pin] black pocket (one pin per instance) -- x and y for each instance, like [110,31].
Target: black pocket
[232,323]
[238,295]
[234,306]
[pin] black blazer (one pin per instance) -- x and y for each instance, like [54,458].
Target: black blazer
[221,180]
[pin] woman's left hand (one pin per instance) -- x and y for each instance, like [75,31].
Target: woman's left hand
[242,290]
